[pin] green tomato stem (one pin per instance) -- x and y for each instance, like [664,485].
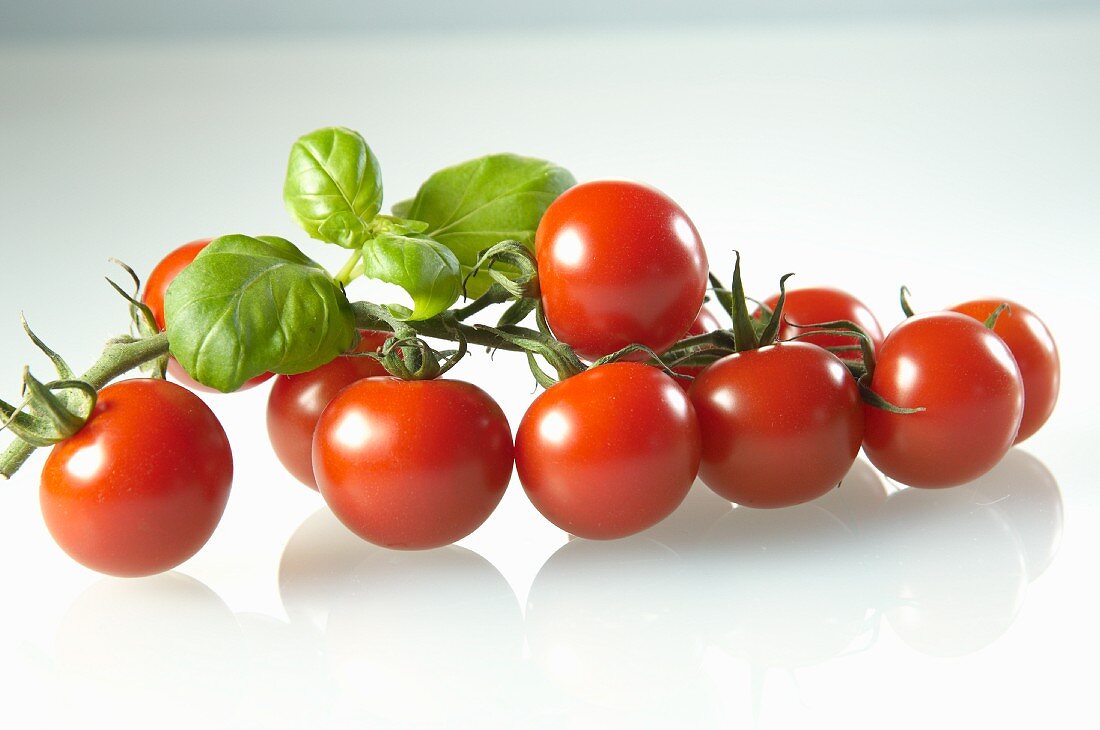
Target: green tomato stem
[495,294]
[706,347]
[117,358]
[437,328]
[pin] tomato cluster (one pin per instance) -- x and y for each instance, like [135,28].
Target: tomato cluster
[768,413]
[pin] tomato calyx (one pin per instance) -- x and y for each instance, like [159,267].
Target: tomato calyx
[522,282]
[653,359]
[748,335]
[865,366]
[55,410]
[862,370]
[52,411]
[411,358]
[143,321]
[903,298]
[990,322]
[518,284]
[405,355]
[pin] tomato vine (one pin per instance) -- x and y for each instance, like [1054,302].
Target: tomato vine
[248,306]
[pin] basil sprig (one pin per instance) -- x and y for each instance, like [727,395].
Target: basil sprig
[247,306]
[333,190]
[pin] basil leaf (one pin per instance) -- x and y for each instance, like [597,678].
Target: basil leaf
[333,186]
[401,208]
[247,306]
[424,268]
[474,205]
[400,226]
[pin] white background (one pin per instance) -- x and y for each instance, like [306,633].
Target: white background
[960,158]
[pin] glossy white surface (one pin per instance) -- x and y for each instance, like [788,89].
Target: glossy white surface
[959,159]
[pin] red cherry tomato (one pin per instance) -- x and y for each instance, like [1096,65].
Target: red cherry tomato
[153,297]
[619,263]
[296,402]
[412,464]
[781,425]
[609,452]
[704,322]
[823,304]
[141,487]
[964,377]
[1032,346]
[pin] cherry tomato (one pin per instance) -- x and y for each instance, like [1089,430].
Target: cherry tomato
[619,263]
[964,377]
[141,487]
[412,464]
[609,452]
[823,304]
[704,322]
[153,297]
[1033,348]
[781,425]
[296,402]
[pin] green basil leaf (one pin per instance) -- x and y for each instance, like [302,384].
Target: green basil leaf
[333,186]
[247,306]
[472,206]
[393,224]
[424,268]
[401,208]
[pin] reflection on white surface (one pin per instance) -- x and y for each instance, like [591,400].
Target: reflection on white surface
[134,650]
[621,631]
[1024,492]
[431,637]
[314,565]
[425,637]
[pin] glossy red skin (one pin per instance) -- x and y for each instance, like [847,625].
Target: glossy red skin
[297,401]
[781,425]
[965,378]
[412,464]
[619,263]
[141,487]
[814,305]
[609,452]
[153,297]
[1035,353]
[704,322]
